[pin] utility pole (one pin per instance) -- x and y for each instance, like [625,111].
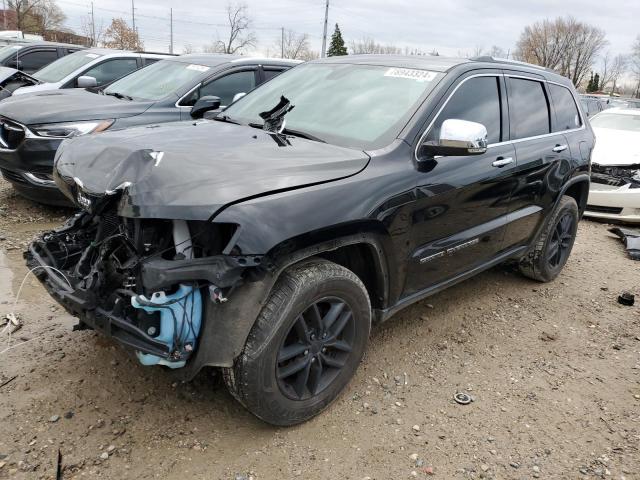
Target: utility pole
[324,35]
[282,42]
[93,27]
[4,14]
[171,29]
[133,15]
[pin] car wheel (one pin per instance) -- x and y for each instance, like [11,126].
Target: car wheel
[553,247]
[305,345]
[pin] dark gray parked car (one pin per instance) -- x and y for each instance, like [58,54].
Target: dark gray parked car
[32,126]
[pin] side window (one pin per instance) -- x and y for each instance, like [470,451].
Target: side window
[270,73]
[528,108]
[567,116]
[477,100]
[112,69]
[34,61]
[224,87]
[150,61]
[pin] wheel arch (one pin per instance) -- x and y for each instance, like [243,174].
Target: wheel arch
[226,326]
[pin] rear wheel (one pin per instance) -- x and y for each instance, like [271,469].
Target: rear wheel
[305,346]
[553,247]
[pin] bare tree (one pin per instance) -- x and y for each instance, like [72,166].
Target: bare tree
[240,37]
[94,33]
[612,69]
[635,66]
[25,10]
[47,16]
[293,45]
[188,48]
[119,35]
[368,45]
[496,52]
[563,44]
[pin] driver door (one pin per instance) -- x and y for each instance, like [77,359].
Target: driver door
[460,213]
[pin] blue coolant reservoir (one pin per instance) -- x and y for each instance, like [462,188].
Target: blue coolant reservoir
[180,319]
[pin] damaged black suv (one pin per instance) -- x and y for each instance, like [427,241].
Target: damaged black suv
[268,241]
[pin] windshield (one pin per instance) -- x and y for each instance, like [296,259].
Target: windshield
[617,121]
[156,81]
[9,51]
[359,106]
[58,70]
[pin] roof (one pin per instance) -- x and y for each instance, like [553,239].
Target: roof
[111,51]
[439,63]
[623,111]
[435,63]
[215,59]
[41,43]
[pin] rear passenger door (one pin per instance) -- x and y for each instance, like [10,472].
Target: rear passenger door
[542,155]
[462,201]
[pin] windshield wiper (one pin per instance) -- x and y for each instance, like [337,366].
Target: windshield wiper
[291,133]
[119,95]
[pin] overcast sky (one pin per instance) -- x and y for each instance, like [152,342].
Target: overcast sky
[453,27]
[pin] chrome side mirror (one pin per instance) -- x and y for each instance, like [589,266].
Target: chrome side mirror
[86,81]
[459,138]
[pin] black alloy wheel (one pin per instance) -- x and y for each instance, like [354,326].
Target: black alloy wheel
[316,348]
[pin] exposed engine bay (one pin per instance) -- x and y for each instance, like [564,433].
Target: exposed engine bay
[144,282]
[617,176]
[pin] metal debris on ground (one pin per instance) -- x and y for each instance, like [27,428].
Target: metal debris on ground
[631,239]
[627,299]
[10,323]
[8,381]
[463,398]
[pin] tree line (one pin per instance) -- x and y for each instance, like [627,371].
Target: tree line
[573,48]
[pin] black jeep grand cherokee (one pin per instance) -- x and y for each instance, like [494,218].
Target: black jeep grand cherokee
[333,196]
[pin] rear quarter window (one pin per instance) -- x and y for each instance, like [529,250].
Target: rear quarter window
[567,115]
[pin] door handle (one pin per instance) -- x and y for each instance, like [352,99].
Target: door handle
[501,162]
[560,148]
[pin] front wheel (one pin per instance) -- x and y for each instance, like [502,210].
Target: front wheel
[305,345]
[553,247]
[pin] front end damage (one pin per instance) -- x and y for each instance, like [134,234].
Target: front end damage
[148,283]
[614,193]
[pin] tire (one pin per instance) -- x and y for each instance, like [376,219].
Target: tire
[544,263]
[303,323]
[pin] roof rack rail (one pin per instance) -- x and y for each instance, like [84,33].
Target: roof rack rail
[156,53]
[488,58]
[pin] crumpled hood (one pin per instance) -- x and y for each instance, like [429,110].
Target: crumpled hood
[12,79]
[6,73]
[67,105]
[191,170]
[616,147]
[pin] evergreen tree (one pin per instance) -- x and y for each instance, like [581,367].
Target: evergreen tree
[337,46]
[596,83]
[590,84]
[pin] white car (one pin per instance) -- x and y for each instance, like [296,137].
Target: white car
[94,67]
[615,166]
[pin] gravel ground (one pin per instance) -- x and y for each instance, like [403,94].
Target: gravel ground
[554,371]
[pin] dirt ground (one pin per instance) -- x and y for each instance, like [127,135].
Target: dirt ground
[554,370]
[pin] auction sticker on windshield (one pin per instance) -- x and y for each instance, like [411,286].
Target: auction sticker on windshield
[411,73]
[198,68]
